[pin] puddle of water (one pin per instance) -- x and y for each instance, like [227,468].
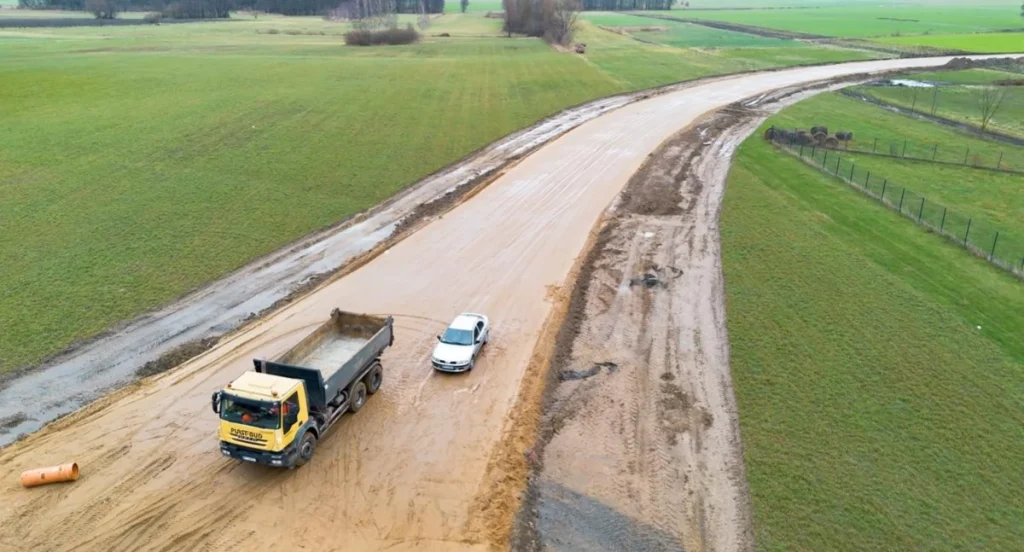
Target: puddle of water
[910,83]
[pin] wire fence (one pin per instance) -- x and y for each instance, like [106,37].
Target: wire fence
[977,236]
[977,157]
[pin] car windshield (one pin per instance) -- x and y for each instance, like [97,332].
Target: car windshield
[262,414]
[451,336]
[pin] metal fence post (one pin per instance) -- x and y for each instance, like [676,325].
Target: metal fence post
[838,161]
[874,146]
[814,150]
[900,208]
[967,155]
[801,150]
[935,152]
[968,232]
[920,212]
[943,224]
[904,149]
[994,242]
[823,161]
[1000,162]
[882,197]
[852,167]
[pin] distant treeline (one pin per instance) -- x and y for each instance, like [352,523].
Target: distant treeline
[212,9]
[625,5]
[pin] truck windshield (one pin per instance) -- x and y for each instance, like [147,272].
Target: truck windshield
[262,414]
[452,336]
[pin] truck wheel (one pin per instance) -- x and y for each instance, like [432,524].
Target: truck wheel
[374,378]
[306,448]
[358,397]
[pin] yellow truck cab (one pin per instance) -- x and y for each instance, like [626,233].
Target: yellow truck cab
[260,417]
[275,415]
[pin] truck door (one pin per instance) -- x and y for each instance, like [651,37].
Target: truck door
[290,417]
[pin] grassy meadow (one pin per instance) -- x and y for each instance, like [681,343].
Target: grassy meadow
[994,200]
[141,162]
[644,63]
[132,175]
[879,368]
[959,103]
[967,76]
[877,20]
[982,43]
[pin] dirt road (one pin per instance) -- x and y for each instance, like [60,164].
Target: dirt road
[639,445]
[410,471]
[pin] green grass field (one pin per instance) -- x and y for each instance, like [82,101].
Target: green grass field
[968,76]
[640,65]
[879,370]
[139,163]
[681,35]
[994,200]
[982,43]
[132,176]
[959,103]
[869,21]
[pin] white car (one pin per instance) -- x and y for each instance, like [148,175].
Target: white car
[460,344]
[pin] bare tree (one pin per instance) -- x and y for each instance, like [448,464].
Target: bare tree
[560,19]
[103,9]
[990,99]
[424,20]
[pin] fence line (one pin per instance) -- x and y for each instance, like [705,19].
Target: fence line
[974,235]
[934,152]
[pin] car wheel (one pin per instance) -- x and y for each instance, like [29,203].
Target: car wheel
[306,448]
[358,397]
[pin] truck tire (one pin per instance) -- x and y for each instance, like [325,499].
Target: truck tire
[306,448]
[358,397]
[374,379]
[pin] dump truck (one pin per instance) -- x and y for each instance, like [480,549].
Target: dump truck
[276,414]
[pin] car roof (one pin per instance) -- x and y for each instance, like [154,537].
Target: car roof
[465,322]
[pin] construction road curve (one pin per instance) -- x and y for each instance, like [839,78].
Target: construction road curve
[408,471]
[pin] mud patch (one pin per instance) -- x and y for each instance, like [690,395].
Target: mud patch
[11,422]
[587,524]
[572,375]
[176,356]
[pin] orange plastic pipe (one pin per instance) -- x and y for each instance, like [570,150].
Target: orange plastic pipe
[52,474]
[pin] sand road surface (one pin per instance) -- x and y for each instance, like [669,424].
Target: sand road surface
[409,471]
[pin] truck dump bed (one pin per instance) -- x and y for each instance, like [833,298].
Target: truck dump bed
[331,357]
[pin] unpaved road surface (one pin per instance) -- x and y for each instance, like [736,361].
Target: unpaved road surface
[409,471]
[640,447]
[90,370]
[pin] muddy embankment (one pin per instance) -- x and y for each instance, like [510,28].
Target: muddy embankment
[639,445]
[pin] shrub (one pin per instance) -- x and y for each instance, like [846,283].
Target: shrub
[103,9]
[358,37]
[153,18]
